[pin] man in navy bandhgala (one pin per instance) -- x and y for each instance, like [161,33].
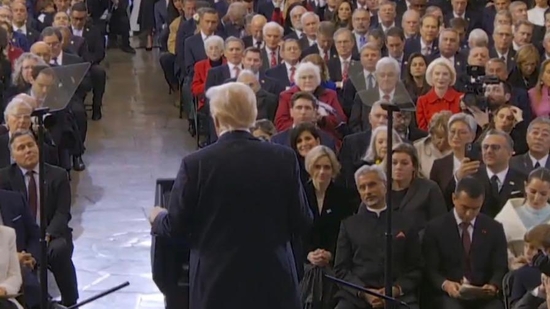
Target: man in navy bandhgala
[238,203]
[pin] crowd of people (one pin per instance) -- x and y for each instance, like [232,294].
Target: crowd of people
[470,182]
[51,55]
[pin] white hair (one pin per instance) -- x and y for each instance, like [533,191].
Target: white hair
[246,73]
[478,37]
[440,62]
[371,154]
[213,40]
[365,169]
[464,118]
[14,104]
[273,25]
[233,105]
[388,62]
[308,67]
[309,14]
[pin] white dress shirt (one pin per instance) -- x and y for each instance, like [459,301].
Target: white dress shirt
[22,29]
[77,32]
[470,228]
[456,165]
[500,175]
[255,43]
[232,70]
[342,60]
[423,47]
[385,29]
[542,161]
[37,181]
[59,59]
[269,51]
[382,94]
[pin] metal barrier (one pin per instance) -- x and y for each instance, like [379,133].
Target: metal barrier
[170,258]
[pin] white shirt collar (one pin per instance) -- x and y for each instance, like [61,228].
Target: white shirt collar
[384,28]
[77,32]
[255,42]
[377,211]
[501,175]
[269,51]
[204,36]
[59,59]
[22,28]
[541,161]
[459,221]
[463,16]
[515,46]
[25,171]
[227,131]
[347,59]
[382,93]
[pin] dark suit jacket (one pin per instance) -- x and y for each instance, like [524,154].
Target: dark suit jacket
[422,203]
[266,59]
[279,73]
[283,138]
[5,154]
[513,186]
[193,53]
[354,147]
[267,105]
[70,59]
[360,255]
[442,172]
[185,30]
[523,163]
[444,253]
[79,47]
[32,35]
[529,301]
[248,41]
[15,213]
[460,60]
[314,49]
[96,44]
[267,83]
[510,57]
[58,196]
[472,18]
[412,45]
[266,9]
[217,76]
[255,208]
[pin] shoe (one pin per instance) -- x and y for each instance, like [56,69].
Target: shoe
[128,49]
[148,48]
[96,115]
[78,164]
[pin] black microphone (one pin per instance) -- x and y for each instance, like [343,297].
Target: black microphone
[364,290]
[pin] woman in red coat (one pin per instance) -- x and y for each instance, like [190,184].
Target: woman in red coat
[308,78]
[441,75]
[213,46]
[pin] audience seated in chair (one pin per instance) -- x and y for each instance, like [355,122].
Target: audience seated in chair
[10,271]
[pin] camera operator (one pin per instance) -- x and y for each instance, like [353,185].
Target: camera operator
[519,97]
[477,56]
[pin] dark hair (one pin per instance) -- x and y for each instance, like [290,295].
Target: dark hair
[303,95]
[299,129]
[409,150]
[49,31]
[326,28]
[41,69]
[471,186]
[79,7]
[409,80]
[377,33]
[202,4]
[540,173]
[252,49]
[265,125]
[539,236]
[20,133]
[395,32]
[458,22]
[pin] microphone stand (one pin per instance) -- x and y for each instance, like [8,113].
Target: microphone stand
[390,108]
[39,113]
[391,300]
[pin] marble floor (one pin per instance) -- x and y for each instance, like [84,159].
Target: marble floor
[139,139]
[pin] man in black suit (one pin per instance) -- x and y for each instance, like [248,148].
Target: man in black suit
[15,213]
[119,25]
[23,177]
[271,53]
[499,180]
[465,247]
[256,26]
[538,140]
[395,45]
[233,52]
[310,24]
[194,45]
[252,238]
[325,42]
[460,9]
[54,38]
[284,72]
[252,60]
[266,102]
[426,42]
[303,109]
[502,49]
[21,24]
[359,251]
[387,14]
[339,67]
[233,22]
[449,47]
[96,53]
[73,44]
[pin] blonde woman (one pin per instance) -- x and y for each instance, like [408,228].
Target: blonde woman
[538,95]
[436,144]
[525,73]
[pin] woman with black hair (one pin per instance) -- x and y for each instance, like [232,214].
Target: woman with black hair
[303,138]
[415,76]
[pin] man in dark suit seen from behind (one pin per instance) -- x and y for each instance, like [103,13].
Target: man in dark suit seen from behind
[538,141]
[465,247]
[304,108]
[493,171]
[247,220]
[22,177]
[96,53]
[360,253]
[266,102]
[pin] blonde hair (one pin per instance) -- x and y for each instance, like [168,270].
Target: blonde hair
[233,105]
[540,83]
[317,153]
[440,62]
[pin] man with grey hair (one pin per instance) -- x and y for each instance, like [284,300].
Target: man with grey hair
[538,141]
[502,182]
[310,24]
[255,29]
[449,46]
[256,208]
[233,52]
[358,256]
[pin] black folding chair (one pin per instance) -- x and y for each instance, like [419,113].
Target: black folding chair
[170,258]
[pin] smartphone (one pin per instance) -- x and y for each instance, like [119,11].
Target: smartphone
[473,152]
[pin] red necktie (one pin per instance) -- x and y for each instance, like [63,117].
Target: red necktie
[466,243]
[273,59]
[33,194]
[325,57]
[237,71]
[386,98]
[292,71]
[345,71]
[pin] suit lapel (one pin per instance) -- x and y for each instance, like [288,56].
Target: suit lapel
[411,192]
[528,163]
[18,180]
[455,241]
[477,238]
[506,187]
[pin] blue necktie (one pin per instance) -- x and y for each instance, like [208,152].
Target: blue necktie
[362,41]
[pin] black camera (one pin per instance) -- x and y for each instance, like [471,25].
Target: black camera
[475,88]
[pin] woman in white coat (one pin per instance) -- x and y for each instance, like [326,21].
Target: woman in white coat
[519,215]
[10,271]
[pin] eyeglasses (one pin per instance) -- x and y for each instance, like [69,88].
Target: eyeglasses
[493,147]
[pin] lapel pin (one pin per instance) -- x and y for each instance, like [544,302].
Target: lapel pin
[329,211]
[511,183]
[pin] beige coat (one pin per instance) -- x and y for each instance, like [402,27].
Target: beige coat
[427,154]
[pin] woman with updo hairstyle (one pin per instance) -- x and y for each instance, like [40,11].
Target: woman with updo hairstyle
[525,72]
[412,194]
[436,144]
[303,138]
[329,203]
[441,76]
[519,215]
[538,95]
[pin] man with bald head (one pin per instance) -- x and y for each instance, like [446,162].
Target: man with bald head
[255,38]
[21,22]
[42,50]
